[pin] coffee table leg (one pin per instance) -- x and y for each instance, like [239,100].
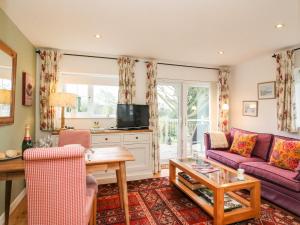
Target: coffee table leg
[124,191]
[255,199]
[218,206]
[8,185]
[172,172]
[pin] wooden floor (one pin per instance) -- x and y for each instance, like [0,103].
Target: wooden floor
[19,216]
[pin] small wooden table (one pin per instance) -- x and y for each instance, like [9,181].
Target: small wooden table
[222,181]
[112,158]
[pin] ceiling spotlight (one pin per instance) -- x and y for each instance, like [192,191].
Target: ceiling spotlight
[220,52]
[279,26]
[98,36]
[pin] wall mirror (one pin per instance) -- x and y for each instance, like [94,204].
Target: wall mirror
[8,63]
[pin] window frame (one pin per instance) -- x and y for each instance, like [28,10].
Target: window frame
[74,114]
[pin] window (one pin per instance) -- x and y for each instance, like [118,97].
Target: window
[97,95]
[297,95]
[5,108]
[5,84]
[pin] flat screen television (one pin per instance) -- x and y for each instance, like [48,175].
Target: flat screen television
[132,116]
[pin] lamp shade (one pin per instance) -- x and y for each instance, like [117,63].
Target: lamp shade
[62,99]
[5,96]
[225,106]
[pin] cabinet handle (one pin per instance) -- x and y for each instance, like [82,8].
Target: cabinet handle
[136,137]
[106,139]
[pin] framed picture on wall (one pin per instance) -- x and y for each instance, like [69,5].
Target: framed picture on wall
[250,108]
[27,89]
[266,90]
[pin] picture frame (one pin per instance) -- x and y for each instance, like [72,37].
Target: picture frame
[266,90]
[250,108]
[27,89]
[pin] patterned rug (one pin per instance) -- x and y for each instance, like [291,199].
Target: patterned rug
[155,201]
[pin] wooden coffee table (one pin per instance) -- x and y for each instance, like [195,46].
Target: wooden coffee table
[222,181]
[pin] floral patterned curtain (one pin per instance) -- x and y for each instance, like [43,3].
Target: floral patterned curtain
[126,80]
[48,81]
[223,92]
[286,116]
[151,99]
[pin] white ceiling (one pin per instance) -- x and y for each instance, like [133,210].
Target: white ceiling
[189,31]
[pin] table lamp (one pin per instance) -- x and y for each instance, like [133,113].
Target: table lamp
[62,99]
[5,97]
[225,107]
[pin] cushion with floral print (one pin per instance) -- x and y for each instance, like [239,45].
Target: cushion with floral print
[285,154]
[297,177]
[243,144]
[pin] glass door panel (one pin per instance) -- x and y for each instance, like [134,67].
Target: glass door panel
[169,95]
[197,121]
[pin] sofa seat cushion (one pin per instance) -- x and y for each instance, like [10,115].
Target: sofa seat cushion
[230,159]
[265,171]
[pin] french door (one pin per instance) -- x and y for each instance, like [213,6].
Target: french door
[184,110]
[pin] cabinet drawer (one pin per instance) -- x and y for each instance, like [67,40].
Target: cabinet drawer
[136,137]
[106,139]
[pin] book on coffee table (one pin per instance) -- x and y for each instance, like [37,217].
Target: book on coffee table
[205,169]
[208,195]
[189,181]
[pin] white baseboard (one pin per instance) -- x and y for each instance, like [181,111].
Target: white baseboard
[13,205]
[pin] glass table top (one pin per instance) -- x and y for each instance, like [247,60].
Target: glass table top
[213,172]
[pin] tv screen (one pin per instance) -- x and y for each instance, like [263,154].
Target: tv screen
[132,116]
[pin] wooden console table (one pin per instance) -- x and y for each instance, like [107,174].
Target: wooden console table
[111,158]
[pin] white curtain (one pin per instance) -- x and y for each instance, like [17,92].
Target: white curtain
[50,60]
[127,85]
[151,99]
[285,91]
[223,100]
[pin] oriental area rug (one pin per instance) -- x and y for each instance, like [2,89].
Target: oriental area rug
[155,201]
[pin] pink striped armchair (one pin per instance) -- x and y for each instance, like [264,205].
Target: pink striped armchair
[57,192]
[82,137]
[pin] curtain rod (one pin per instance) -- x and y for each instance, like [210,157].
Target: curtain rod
[296,49]
[160,63]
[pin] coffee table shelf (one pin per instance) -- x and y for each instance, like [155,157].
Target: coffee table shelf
[249,209]
[196,198]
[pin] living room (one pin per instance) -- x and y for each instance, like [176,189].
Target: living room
[161,100]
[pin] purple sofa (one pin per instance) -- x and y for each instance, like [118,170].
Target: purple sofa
[278,185]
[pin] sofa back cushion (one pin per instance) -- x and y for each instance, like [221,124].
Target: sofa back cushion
[263,143]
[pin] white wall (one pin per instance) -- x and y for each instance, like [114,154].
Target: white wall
[243,86]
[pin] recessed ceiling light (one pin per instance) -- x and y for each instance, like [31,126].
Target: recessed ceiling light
[220,52]
[279,26]
[98,36]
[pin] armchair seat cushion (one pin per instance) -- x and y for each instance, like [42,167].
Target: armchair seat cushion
[230,159]
[265,171]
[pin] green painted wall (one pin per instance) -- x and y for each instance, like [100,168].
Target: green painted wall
[11,136]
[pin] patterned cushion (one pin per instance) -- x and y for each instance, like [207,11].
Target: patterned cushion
[243,144]
[285,154]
